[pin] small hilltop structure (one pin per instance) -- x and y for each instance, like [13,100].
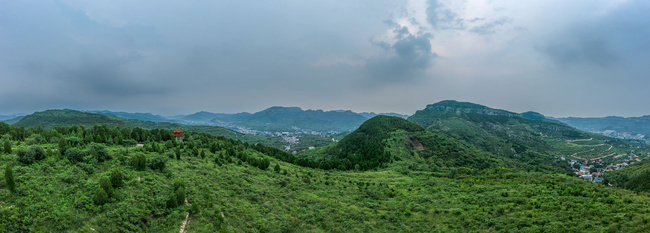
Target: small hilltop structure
[178,134]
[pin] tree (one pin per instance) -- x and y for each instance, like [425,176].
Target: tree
[7,147]
[9,178]
[277,167]
[99,152]
[74,155]
[106,185]
[62,145]
[117,178]
[158,163]
[100,196]
[178,153]
[139,162]
[202,154]
[195,151]
[25,156]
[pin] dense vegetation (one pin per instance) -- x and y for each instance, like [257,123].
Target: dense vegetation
[389,175]
[635,177]
[231,186]
[99,179]
[365,147]
[53,118]
[527,136]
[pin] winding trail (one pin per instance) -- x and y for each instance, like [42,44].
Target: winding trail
[187,219]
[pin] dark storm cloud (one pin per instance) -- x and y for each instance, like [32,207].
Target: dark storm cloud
[411,55]
[584,50]
[616,38]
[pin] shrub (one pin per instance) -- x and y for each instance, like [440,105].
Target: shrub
[129,142]
[177,197]
[9,179]
[74,155]
[117,178]
[7,147]
[25,156]
[277,168]
[105,184]
[100,196]
[99,152]
[139,161]
[158,163]
[195,209]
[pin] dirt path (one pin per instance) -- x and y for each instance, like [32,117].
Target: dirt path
[187,219]
[185,223]
[580,140]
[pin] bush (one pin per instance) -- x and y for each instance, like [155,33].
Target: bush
[139,161]
[158,163]
[105,184]
[7,147]
[74,155]
[25,156]
[129,142]
[9,179]
[195,209]
[117,178]
[99,152]
[177,198]
[100,196]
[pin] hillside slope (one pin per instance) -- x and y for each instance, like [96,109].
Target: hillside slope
[216,184]
[515,135]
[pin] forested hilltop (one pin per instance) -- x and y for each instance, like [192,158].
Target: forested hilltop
[65,117]
[527,136]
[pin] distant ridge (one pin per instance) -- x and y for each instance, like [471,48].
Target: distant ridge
[295,119]
[65,117]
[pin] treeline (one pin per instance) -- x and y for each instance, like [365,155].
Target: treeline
[77,142]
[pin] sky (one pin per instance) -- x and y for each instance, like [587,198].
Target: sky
[557,57]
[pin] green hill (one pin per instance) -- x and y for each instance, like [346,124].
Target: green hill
[292,119]
[214,184]
[52,118]
[512,135]
[382,140]
[134,116]
[55,118]
[634,177]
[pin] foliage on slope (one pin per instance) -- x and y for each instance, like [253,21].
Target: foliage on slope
[54,118]
[634,177]
[365,147]
[231,186]
[524,137]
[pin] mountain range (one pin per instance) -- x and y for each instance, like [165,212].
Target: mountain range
[633,128]
[451,167]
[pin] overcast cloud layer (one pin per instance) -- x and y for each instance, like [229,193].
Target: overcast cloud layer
[560,58]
